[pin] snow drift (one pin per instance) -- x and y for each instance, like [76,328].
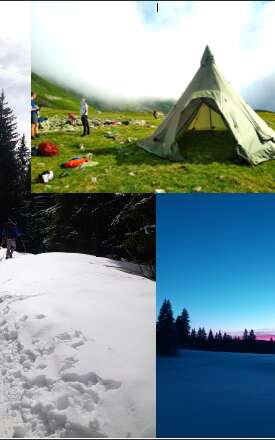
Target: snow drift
[77,348]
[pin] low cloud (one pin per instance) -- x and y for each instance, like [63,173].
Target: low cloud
[128,50]
[261,93]
[15,59]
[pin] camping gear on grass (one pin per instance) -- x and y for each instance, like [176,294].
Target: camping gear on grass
[46,176]
[210,104]
[74,162]
[47,148]
[87,165]
[35,151]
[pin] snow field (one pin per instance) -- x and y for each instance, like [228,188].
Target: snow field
[216,395]
[77,347]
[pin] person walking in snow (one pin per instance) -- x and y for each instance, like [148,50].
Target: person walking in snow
[10,233]
[84,108]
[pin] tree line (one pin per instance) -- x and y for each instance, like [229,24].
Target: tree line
[174,334]
[118,226]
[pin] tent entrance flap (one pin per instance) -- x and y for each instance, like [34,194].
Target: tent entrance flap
[207,119]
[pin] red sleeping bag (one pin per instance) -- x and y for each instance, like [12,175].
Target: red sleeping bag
[47,148]
[74,163]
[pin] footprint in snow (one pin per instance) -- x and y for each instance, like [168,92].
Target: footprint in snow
[41,316]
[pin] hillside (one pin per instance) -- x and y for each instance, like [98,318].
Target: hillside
[77,348]
[54,96]
[206,394]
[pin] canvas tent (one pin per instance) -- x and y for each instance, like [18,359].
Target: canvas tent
[210,104]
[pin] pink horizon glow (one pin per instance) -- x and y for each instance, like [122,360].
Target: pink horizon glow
[265,337]
[260,335]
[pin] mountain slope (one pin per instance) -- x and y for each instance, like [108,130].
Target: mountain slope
[77,347]
[53,96]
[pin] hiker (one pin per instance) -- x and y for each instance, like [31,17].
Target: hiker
[34,116]
[155,114]
[10,232]
[72,119]
[84,116]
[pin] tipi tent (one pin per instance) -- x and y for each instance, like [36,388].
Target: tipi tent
[210,104]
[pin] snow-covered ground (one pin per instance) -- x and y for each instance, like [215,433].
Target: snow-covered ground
[208,394]
[77,348]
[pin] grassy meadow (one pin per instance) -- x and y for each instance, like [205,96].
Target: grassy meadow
[209,165]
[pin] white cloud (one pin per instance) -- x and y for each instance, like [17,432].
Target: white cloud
[15,62]
[111,48]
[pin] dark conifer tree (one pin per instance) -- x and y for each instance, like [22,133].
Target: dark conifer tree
[166,335]
[245,340]
[218,340]
[210,339]
[183,328]
[245,335]
[199,334]
[203,338]
[203,334]
[193,338]
[252,336]
[23,166]
[8,155]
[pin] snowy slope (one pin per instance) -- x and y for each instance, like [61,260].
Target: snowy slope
[77,344]
[209,394]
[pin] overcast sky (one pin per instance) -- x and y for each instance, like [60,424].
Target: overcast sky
[128,49]
[15,59]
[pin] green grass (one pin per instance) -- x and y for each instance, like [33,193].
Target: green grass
[209,165]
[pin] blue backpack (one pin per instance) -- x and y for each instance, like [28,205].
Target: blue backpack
[11,231]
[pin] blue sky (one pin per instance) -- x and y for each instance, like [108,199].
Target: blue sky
[216,257]
[133,51]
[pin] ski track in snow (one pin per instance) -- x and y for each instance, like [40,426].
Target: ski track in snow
[26,412]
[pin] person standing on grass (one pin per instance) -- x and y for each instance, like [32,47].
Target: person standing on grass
[84,116]
[34,117]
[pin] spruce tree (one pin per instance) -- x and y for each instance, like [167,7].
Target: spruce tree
[193,338]
[252,336]
[8,155]
[203,338]
[218,340]
[23,165]
[245,340]
[245,335]
[183,328]
[203,334]
[210,339]
[166,334]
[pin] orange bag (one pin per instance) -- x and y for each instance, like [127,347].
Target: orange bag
[74,163]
